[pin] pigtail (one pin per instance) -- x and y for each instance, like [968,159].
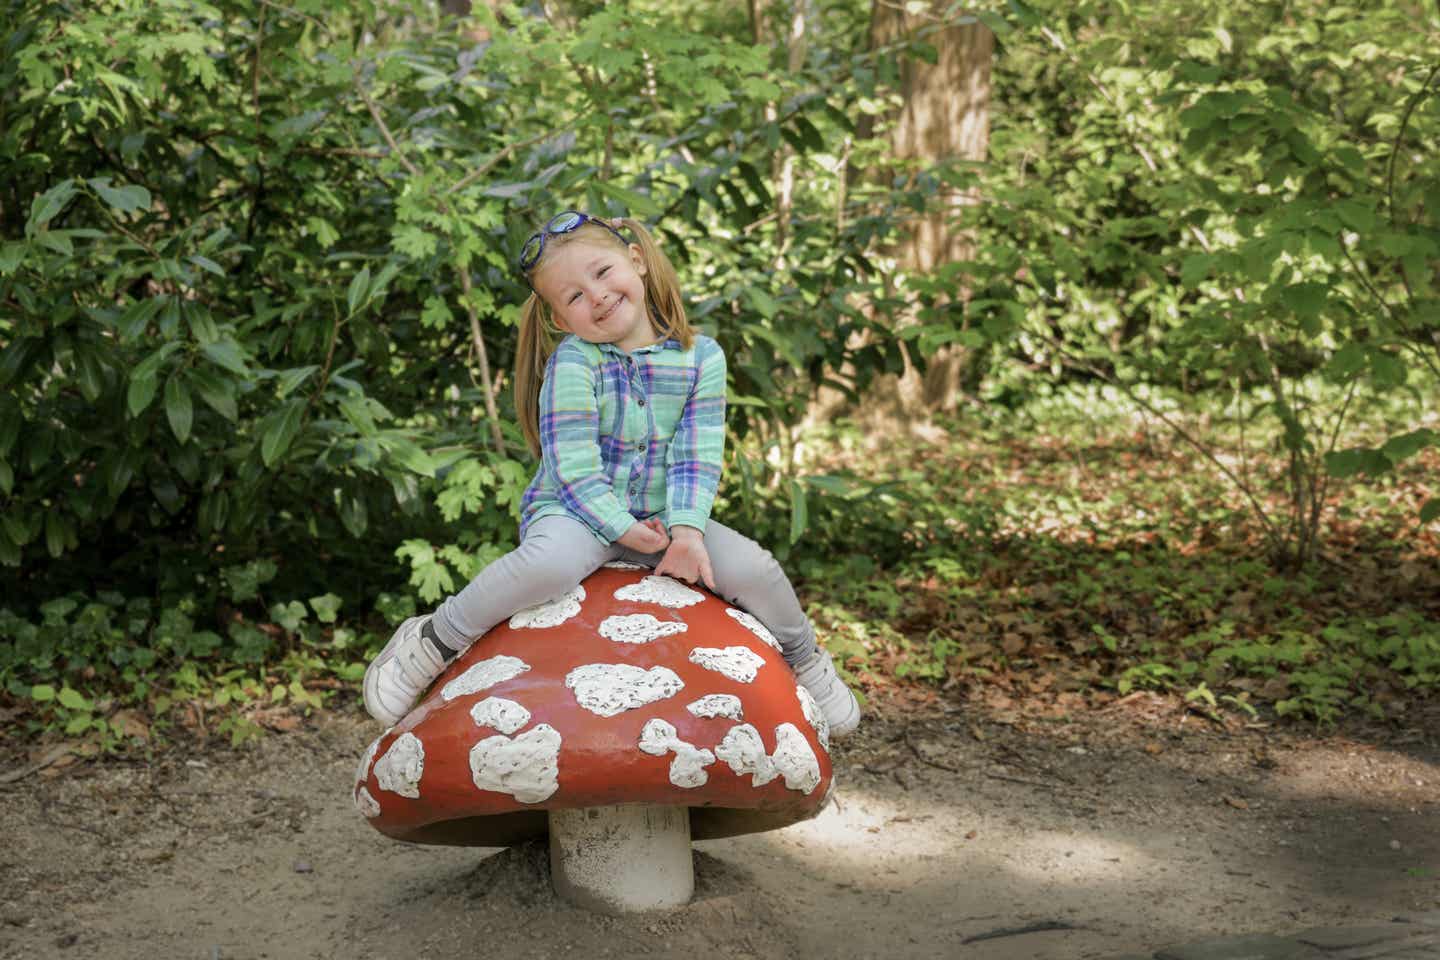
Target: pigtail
[536,343]
[662,287]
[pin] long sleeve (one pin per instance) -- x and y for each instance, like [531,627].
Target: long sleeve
[570,443]
[692,465]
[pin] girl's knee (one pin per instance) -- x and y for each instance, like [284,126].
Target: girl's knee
[746,569]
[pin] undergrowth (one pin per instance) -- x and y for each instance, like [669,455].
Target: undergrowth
[1053,554]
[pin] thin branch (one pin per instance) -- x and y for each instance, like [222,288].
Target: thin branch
[1240,484]
[494,161]
[483,357]
[395,150]
[1415,99]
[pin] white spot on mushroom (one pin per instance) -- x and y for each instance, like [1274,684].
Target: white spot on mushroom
[483,675]
[400,769]
[526,767]
[688,768]
[507,716]
[811,708]
[624,565]
[745,753]
[665,591]
[366,804]
[717,705]
[793,758]
[737,663]
[606,689]
[362,772]
[639,628]
[551,613]
[754,626]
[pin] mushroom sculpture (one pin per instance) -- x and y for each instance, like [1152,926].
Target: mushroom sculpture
[624,718]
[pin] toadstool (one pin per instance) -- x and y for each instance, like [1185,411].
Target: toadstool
[624,719]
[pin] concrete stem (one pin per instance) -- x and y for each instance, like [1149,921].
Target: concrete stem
[622,858]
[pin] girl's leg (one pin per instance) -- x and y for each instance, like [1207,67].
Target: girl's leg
[557,553]
[749,576]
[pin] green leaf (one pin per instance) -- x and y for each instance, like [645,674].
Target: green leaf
[326,607]
[283,427]
[11,256]
[126,199]
[42,693]
[799,511]
[1195,268]
[140,392]
[1430,511]
[1407,445]
[206,264]
[1347,463]
[762,301]
[48,205]
[636,204]
[226,354]
[71,699]
[1306,299]
[150,366]
[7,478]
[359,284]
[178,407]
[217,391]
[137,317]
[409,455]
[290,379]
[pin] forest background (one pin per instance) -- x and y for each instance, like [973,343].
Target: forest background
[1075,349]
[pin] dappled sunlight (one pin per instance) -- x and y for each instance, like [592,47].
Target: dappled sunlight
[858,837]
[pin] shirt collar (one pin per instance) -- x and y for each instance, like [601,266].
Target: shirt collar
[670,343]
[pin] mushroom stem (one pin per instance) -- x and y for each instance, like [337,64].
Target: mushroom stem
[622,858]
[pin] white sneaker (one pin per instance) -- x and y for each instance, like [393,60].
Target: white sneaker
[401,672]
[836,700]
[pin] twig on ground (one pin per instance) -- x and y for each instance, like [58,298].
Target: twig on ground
[1040,927]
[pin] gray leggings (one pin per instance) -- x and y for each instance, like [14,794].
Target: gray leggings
[558,552]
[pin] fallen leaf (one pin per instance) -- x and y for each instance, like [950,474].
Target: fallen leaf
[1236,802]
[1154,749]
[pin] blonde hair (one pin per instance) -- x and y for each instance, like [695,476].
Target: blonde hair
[539,334]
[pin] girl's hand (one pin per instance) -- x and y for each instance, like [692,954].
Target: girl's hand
[645,536]
[687,559]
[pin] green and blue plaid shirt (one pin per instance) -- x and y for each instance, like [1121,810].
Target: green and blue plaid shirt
[629,436]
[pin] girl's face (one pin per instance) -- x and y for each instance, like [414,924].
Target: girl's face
[597,292]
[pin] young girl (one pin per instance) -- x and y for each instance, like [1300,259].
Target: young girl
[627,414]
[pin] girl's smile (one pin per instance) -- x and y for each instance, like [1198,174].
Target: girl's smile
[597,292]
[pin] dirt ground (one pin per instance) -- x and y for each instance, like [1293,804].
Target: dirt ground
[958,831]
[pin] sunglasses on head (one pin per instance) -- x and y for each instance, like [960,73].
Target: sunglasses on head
[566,222]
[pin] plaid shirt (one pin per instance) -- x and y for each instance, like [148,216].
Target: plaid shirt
[629,436]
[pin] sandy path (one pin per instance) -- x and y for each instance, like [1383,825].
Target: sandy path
[1117,841]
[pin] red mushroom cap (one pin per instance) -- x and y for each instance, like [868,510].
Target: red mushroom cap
[631,688]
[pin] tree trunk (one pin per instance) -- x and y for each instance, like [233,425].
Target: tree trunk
[945,116]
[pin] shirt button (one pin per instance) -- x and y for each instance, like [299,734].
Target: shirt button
[641,401]
[640,447]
